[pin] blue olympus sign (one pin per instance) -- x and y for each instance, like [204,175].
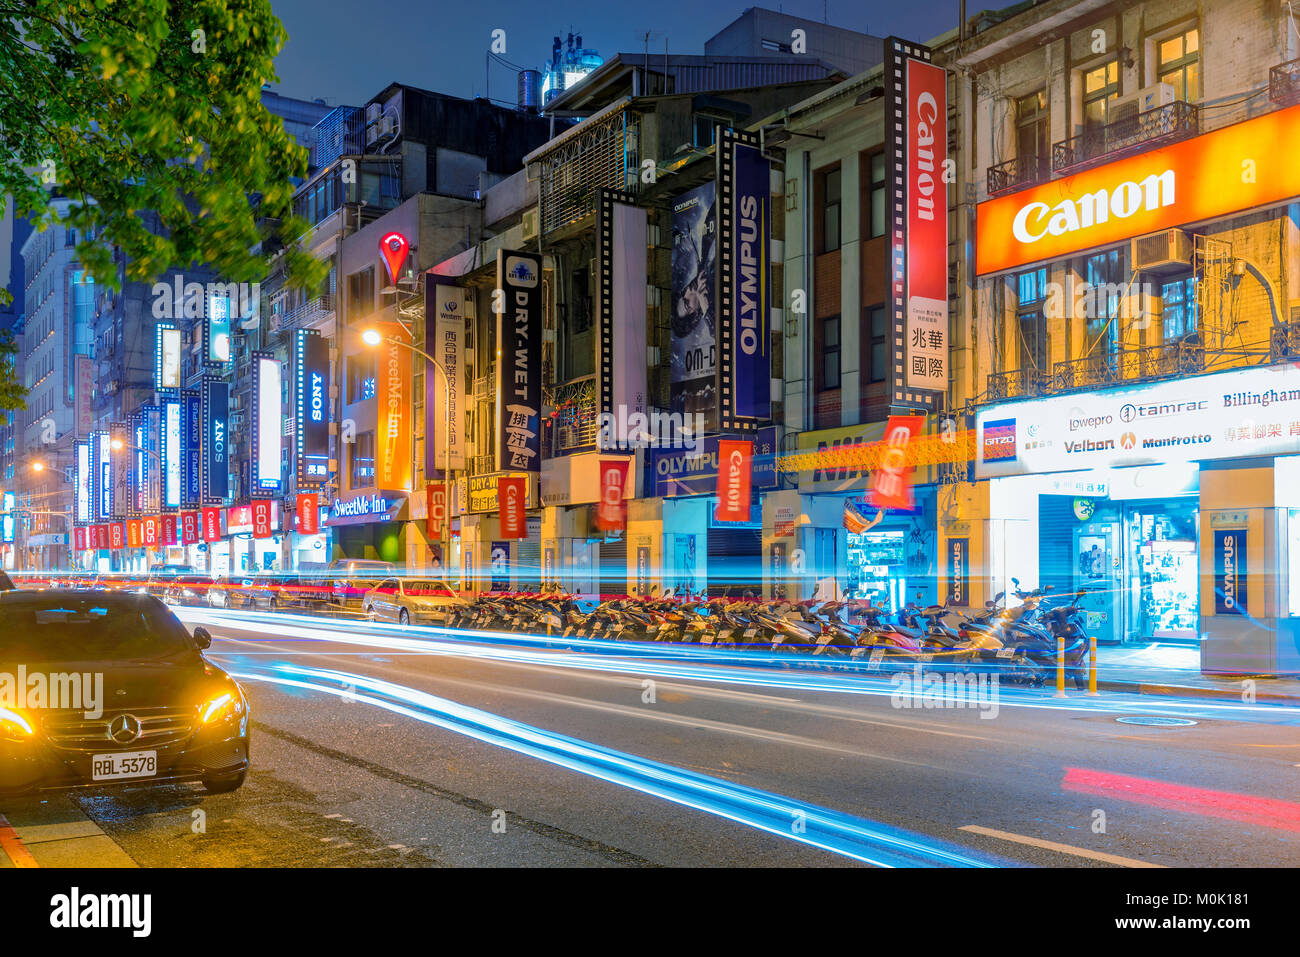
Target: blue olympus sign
[684,472]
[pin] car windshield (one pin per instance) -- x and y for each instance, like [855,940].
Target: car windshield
[428,589]
[43,627]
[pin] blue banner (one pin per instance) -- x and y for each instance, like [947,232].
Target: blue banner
[216,441]
[751,226]
[1230,571]
[192,448]
[683,472]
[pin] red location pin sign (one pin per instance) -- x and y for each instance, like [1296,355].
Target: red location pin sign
[394,247]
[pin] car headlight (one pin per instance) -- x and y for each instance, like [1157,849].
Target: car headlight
[14,727]
[224,707]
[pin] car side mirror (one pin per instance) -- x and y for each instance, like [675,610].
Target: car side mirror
[202,637]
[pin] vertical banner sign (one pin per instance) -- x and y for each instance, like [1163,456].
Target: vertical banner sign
[151,530]
[916,146]
[211,518]
[519,370]
[192,447]
[312,376]
[102,480]
[170,535]
[117,536]
[119,444]
[693,363]
[79,538]
[83,482]
[189,528]
[893,488]
[733,480]
[216,465]
[621,249]
[393,466]
[171,453]
[262,518]
[611,513]
[92,537]
[167,357]
[266,423]
[510,499]
[744,319]
[500,566]
[149,457]
[134,533]
[435,510]
[958,572]
[85,386]
[446,309]
[216,331]
[1230,571]
[643,569]
[308,509]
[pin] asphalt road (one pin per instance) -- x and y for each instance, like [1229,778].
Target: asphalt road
[379,747]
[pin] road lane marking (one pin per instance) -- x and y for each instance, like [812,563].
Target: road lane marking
[1059,848]
[13,846]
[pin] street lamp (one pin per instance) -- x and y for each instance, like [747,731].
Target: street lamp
[373,337]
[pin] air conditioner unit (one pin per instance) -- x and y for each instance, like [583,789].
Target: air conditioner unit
[1131,106]
[372,134]
[1167,251]
[372,113]
[387,125]
[530,224]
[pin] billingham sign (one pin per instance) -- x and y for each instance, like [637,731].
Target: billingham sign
[916,142]
[519,370]
[445,310]
[1244,166]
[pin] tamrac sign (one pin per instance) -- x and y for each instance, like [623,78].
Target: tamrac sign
[519,370]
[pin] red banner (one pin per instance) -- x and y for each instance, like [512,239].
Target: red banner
[510,499]
[98,536]
[893,488]
[733,480]
[79,538]
[435,500]
[611,512]
[308,508]
[134,533]
[211,524]
[169,534]
[262,518]
[392,425]
[189,528]
[151,529]
[117,535]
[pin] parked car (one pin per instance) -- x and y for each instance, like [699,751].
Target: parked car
[6,583]
[405,600]
[188,590]
[353,577]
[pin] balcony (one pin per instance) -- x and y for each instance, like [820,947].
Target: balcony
[308,314]
[1016,174]
[1179,357]
[573,419]
[1284,83]
[1154,128]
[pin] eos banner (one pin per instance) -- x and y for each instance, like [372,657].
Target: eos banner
[312,418]
[216,411]
[116,535]
[211,519]
[693,364]
[746,330]
[622,255]
[152,530]
[611,513]
[393,416]
[435,510]
[446,309]
[733,480]
[308,512]
[893,488]
[261,509]
[266,423]
[510,495]
[189,528]
[1205,177]
[519,372]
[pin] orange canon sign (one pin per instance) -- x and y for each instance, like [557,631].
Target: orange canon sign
[1239,167]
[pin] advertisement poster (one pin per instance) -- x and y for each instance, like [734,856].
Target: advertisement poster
[267,423]
[510,496]
[189,528]
[1230,571]
[927,227]
[750,330]
[693,364]
[435,509]
[216,410]
[308,508]
[312,372]
[611,513]
[500,566]
[519,376]
[446,309]
[958,572]
[192,444]
[733,480]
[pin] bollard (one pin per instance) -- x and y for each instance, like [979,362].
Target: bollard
[1060,667]
[1092,666]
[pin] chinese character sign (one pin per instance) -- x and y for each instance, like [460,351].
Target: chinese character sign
[519,370]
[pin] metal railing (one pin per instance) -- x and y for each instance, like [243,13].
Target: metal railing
[1173,121]
[1178,357]
[1284,83]
[600,153]
[1016,174]
[574,420]
[1284,342]
[313,310]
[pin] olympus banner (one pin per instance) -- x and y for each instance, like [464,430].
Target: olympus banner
[519,370]
[446,310]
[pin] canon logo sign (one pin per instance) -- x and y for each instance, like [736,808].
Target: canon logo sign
[927,115]
[1035,220]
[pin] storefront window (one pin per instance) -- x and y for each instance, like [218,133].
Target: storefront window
[877,564]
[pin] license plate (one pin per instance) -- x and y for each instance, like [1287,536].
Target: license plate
[927,658]
[1006,652]
[127,764]
[751,632]
[725,634]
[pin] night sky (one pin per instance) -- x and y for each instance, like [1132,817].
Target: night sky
[346,53]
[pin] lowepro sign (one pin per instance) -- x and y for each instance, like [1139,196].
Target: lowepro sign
[1245,412]
[1243,166]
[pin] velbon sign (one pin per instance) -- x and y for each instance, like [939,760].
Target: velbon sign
[1244,166]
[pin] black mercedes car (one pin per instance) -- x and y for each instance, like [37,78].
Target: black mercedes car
[106,688]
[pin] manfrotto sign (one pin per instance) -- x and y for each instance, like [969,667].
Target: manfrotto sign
[1246,412]
[1247,165]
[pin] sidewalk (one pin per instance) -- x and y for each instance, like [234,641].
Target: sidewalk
[1175,669]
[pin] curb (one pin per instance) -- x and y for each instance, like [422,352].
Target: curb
[1193,691]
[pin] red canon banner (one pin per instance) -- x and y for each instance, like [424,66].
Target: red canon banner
[169,533]
[117,535]
[510,499]
[134,533]
[99,536]
[151,530]
[733,480]
[611,513]
[435,498]
[893,488]
[308,508]
[189,528]
[211,518]
[262,518]
[79,538]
